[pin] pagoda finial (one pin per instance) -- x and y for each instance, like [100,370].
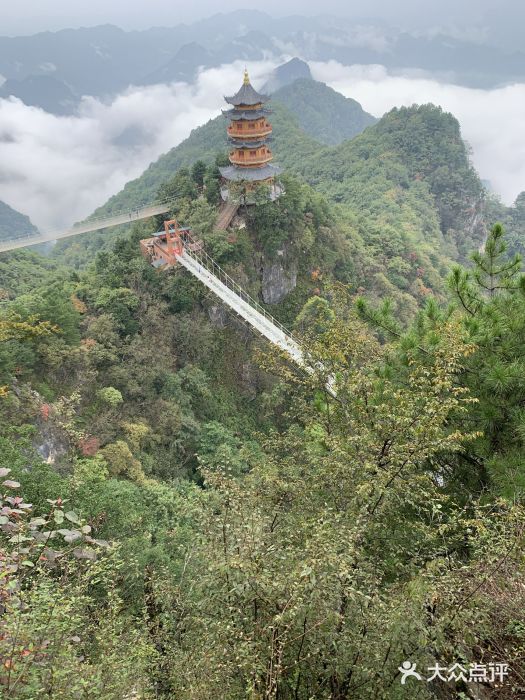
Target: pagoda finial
[246,77]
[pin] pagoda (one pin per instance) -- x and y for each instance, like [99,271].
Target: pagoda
[250,158]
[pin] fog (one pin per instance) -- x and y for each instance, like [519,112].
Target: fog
[59,169]
[27,16]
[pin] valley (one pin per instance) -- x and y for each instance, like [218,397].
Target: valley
[194,510]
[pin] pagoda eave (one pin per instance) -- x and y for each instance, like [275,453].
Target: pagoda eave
[248,115]
[246,96]
[256,143]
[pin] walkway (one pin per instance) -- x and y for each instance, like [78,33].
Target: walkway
[226,214]
[96,224]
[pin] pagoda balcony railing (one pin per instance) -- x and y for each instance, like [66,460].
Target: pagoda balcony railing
[263,131]
[235,159]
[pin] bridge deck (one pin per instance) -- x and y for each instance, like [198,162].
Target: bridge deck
[264,324]
[87,226]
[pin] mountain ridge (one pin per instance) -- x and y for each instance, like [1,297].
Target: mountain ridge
[104,60]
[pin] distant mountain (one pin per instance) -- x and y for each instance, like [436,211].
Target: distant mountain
[43,91]
[104,60]
[287,74]
[183,66]
[322,112]
[91,61]
[13,224]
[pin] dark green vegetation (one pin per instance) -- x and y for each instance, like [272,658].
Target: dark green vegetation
[404,196]
[207,522]
[323,112]
[13,224]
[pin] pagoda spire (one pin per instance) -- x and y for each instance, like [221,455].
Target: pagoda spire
[246,77]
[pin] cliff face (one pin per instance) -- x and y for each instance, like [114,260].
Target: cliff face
[279,278]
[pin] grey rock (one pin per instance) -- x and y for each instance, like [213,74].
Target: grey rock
[218,315]
[50,443]
[278,280]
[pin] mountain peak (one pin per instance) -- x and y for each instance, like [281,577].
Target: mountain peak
[286,74]
[322,112]
[13,224]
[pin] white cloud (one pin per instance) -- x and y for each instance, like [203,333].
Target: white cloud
[491,120]
[47,67]
[58,170]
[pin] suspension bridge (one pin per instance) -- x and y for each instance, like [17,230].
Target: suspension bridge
[93,224]
[176,246]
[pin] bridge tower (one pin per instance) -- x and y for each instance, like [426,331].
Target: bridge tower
[250,158]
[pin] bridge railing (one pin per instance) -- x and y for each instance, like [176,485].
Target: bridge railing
[202,257]
[133,210]
[45,236]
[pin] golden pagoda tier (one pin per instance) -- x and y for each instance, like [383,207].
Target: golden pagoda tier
[249,132]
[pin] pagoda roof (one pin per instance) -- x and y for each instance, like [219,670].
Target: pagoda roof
[248,144]
[247,95]
[233,172]
[237,115]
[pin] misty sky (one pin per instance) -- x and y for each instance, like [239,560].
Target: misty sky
[29,16]
[59,169]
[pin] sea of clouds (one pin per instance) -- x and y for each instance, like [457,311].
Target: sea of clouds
[58,170]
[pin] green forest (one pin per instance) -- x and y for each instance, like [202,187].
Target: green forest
[185,515]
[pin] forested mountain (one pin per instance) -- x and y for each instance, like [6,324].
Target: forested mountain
[184,514]
[13,224]
[322,112]
[404,192]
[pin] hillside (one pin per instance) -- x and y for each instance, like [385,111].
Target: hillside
[187,514]
[293,140]
[13,224]
[240,496]
[323,112]
[403,192]
[410,157]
